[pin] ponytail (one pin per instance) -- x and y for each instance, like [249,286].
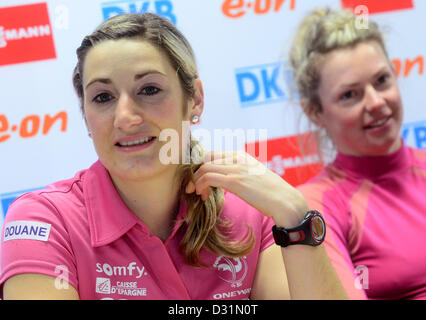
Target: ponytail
[205,228]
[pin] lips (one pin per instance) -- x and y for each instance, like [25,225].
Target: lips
[377,123]
[133,142]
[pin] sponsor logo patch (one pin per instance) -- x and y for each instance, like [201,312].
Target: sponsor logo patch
[29,230]
[25,34]
[103,285]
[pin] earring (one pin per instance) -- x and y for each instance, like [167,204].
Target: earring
[89,134]
[195,119]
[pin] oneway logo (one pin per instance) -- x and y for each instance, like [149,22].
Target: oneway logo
[232,270]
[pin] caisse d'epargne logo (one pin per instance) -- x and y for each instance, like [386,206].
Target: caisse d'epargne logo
[25,34]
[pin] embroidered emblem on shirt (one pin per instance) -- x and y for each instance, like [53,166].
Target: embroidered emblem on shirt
[29,230]
[103,285]
[232,270]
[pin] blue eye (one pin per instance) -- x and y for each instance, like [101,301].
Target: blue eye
[102,97]
[150,91]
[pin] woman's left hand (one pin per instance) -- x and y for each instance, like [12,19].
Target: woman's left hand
[250,180]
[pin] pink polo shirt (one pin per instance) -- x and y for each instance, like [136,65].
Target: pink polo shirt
[80,231]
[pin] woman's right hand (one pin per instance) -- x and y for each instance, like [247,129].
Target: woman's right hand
[247,178]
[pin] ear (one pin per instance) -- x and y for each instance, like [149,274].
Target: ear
[197,102]
[85,121]
[313,111]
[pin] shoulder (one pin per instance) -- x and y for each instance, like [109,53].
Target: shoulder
[55,205]
[239,211]
[329,179]
[37,237]
[330,193]
[419,155]
[243,218]
[54,198]
[242,215]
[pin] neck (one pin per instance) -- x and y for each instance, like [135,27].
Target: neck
[154,201]
[374,167]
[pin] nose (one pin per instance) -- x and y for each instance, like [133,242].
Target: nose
[127,113]
[374,101]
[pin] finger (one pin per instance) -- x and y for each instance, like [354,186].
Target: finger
[190,187]
[209,167]
[211,179]
[218,156]
[232,157]
[215,168]
[205,195]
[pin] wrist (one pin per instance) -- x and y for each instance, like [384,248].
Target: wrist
[310,231]
[291,218]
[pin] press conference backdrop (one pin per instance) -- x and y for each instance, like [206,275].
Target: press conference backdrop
[241,48]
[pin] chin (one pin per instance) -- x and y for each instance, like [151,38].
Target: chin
[384,148]
[133,169]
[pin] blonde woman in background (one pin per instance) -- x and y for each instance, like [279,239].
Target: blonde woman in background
[372,195]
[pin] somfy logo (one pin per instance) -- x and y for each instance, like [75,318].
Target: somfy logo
[132,269]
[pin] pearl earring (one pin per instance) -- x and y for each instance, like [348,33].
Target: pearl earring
[195,119]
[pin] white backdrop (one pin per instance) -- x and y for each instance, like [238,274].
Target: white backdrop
[241,48]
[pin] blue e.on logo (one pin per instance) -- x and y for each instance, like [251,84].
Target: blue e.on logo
[414,134]
[262,84]
[163,8]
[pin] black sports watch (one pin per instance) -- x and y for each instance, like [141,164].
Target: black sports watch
[310,231]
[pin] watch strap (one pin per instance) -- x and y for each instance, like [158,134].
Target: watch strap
[304,233]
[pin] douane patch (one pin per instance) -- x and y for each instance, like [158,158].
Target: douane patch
[30,230]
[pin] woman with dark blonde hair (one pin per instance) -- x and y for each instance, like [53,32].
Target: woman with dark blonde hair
[372,195]
[138,226]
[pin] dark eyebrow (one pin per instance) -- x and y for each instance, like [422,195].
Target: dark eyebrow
[141,75]
[137,77]
[103,80]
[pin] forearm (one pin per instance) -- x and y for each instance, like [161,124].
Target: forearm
[310,274]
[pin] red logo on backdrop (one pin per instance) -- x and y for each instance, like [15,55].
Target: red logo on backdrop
[284,157]
[377,6]
[25,34]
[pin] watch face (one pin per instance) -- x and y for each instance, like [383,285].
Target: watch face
[317,228]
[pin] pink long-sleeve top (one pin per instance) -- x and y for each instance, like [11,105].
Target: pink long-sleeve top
[375,210]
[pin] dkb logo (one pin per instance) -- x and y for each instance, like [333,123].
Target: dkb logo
[414,134]
[262,84]
[163,8]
